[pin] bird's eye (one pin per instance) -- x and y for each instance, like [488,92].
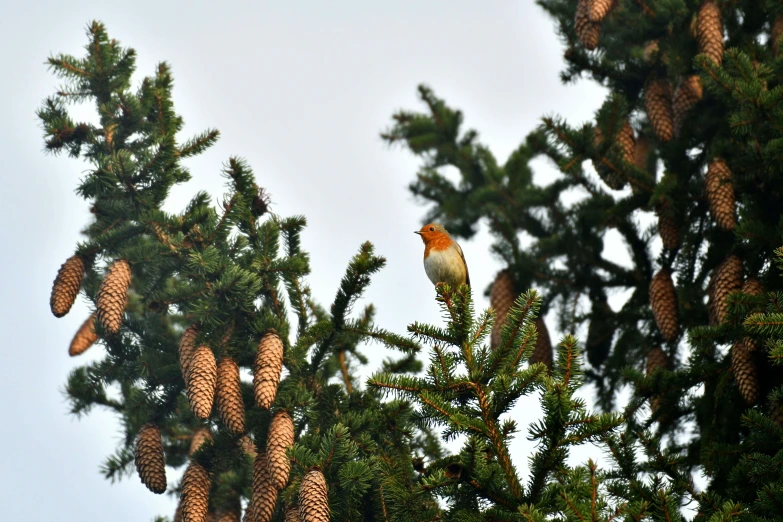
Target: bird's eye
[432,229]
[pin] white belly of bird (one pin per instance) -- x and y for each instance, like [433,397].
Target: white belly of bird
[442,267]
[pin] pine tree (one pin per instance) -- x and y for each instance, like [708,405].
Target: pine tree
[708,162]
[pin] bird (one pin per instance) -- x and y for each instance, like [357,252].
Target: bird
[444,261]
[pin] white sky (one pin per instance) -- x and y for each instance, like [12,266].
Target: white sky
[302,93]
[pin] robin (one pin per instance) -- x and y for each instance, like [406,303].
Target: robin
[444,261]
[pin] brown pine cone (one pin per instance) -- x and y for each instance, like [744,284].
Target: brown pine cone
[668,229]
[752,286]
[542,353]
[656,359]
[725,278]
[201,382]
[709,31]
[588,32]
[113,296]
[84,338]
[195,493]
[66,285]
[228,516]
[279,440]
[777,30]
[314,497]
[598,9]
[199,437]
[640,152]
[663,301]
[651,49]
[150,462]
[720,193]
[292,514]
[501,298]
[262,504]
[744,369]
[267,368]
[187,348]
[687,94]
[658,106]
[229,396]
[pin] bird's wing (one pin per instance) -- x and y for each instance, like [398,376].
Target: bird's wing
[467,274]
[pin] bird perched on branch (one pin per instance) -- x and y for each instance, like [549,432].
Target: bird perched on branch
[444,261]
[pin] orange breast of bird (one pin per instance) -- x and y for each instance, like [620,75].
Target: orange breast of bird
[437,244]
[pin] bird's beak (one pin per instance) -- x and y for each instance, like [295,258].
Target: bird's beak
[416,232]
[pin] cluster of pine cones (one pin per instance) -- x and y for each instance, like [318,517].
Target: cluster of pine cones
[206,382]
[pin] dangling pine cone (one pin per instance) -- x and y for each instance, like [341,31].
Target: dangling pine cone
[709,30]
[267,368]
[726,278]
[150,462]
[641,152]
[658,106]
[744,369]
[542,353]
[279,440]
[752,286]
[229,396]
[656,359]
[195,493]
[113,296]
[688,93]
[668,230]
[720,194]
[663,301]
[199,437]
[501,298]
[777,30]
[650,50]
[598,9]
[588,32]
[314,497]
[262,504]
[66,285]
[187,348]
[201,382]
[84,338]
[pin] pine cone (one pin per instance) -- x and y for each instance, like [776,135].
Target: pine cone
[150,462]
[709,31]
[292,514]
[720,194]
[199,437]
[201,382]
[744,369]
[314,497]
[66,285]
[668,229]
[113,296]
[542,353]
[598,9]
[84,338]
[187,348]
[501,298]
[726,278]
[663,301]
[267,368]
[752,286]
[280,439]
[658,106]
[588,32]
[688,93]
[262,504]
[640,153]
[229,396]
[777,30]
[656,359]
[195,493]
[650,50]
[228,516]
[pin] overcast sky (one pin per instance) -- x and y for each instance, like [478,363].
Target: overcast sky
[302,93]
